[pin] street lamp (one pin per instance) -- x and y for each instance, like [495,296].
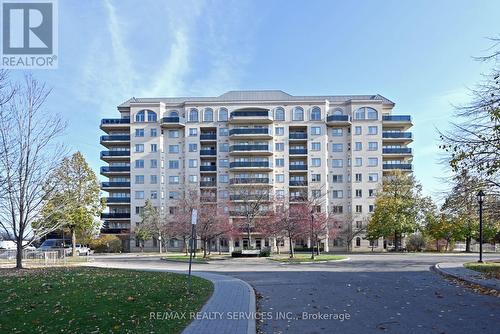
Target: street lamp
[312,237]
[194,219]
[480,199]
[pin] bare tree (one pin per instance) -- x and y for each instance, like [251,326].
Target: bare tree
[28,154]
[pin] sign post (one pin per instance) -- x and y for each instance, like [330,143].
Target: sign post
[194,219]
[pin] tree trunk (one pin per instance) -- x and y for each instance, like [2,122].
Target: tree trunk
[317,247]
[437,245]
[291,247]
[204,248]
[277,246]
[19,253]
[184,240]
[73,241]
[396,246]
[467,244]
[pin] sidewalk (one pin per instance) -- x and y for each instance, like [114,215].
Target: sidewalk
[458,271]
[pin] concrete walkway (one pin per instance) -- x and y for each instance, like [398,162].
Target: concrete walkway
[230,310]
[458,271]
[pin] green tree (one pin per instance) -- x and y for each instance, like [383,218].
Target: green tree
[78,188]
[155,223]
[142,233]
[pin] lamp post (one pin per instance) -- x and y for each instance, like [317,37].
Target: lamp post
[480,199]
[194,219]
[312,237]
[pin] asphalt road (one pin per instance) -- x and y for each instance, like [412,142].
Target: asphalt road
[371,293]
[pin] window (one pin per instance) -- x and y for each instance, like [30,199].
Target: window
[193,163]
[358,162]
[153,179]
[224,163]
[372,146]
[139,163]
[139,194]
[316,177]
[338,178]
[224,147]
[280,193]
[316,193]
[337,132]
[280,162]
[358,177]
[315,146]
[224,178]
[153,133]
[154,194]
[337,209]
[279,147]
[154,148]
[315,114]
[139,132]
[298,114]
[371,208]
[193,147]
[316,162]
[372,162]
[208,115]
[359,209]
[223,115]
[372,177]
[359,193]
[173,164]
[193,178]
[280,178]
[358,146]
[173,195]
[366,113]
[139,179]
[139,148]
[151,116]
[337,147]
[223,132]
[193,115]
[173,134]
[223,194]
[336,163]
[173,148]
[372,130]
[140,116]
[315,130]
[359,224]
[357,130]
[173,179]
[280,131]
[337,193]
[374,243]
[371,193]
[279,114]
[193,132]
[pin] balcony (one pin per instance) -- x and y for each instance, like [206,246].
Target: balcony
[241,213]
[338,120]
[117,200]
[402,136]
[250,115]
[208,136]
[115,215]
[297,167]
[208,184]
[172,122]
[115,123]
[109,185]
[115,140]
[297,151]
[248,180]
[250,165]
[396,118]
[112,155]
[209,152]
[250,197]
[296,199]
[211,168]
[297,136]
[250,150]
[397,151]
[250,133]
[401,166]
[293,183]
[115,169]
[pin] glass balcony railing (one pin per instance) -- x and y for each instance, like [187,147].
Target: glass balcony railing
[249,197]
[115,184]
[298,167]
[397,150]
[107,215]
[111,200]
[297,135]
[302,198]
[337,118]
[253,113]
[111,169]
[233,148]
[249,131]
[208,136]
[115,121]
[292,183]
[208,184]
[171,119]
[208,168]
[115,138]
[115,153]
[403,135]
[249,180]
[297,151]
[240,164]
[397,166]
[396,118]
[208,152]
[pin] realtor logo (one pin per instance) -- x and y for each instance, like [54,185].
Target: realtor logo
[29,34]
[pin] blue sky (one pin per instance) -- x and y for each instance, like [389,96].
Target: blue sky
[416,53]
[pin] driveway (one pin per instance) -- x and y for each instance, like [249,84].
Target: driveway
[372,293]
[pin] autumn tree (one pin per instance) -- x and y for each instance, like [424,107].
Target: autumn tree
[213,223]
[156,223]
[179,224]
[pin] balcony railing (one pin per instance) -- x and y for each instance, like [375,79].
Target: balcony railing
[115,138]
[254,113]
[249,131]
[297,135]
[403,135]
[396,118]
[111,169]
[208,168]
[111,200]
[249,197]
[241,213]
[233,148]
[297,183]
[397,150]
[397,166]
[238,164]
[208,136]
[297,151]
[208,184]
[107,215]
[171,119]
[115,184]
[115,153]
[337,118]
[298,198]
[208,152]
[298,167]
[115,121]
[249,180]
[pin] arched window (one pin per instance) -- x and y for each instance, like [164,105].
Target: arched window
[174,113]
[208,115]
[360,114]
[315,114]
[366,113]
[371,113]
[140,116]
[279,114]
[223,115]
[358,241]
[193,115]
[298,114]
[336,112]
[151,116]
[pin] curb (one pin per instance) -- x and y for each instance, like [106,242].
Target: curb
[311,262]
[466,277]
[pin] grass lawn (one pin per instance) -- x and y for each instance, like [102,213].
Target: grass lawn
[489,269]
[306,258]
[95,300]
[198,259]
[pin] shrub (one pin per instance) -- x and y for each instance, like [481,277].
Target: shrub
[236,253]
[106,243]
[265,252]
[416,243]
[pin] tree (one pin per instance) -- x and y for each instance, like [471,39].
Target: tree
[142,233]
[28,154]
[290,219]
[271,228]
[213,222]
[396,207]
[180,223]
[157,225]
[76,185]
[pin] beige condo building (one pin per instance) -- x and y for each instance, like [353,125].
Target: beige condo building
[300,147]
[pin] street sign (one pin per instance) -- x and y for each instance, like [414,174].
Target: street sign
[194,216]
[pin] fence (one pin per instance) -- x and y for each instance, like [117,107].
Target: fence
[487,248]
[52,257]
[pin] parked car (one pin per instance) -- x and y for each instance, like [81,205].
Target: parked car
[11,245]
[56,245]
[82,250]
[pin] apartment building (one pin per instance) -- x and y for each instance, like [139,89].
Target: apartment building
[299,147]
